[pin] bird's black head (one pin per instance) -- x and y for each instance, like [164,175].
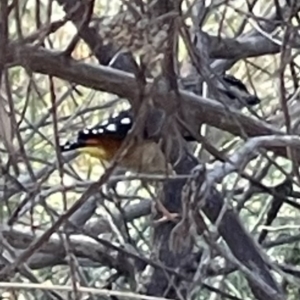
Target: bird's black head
[236,90]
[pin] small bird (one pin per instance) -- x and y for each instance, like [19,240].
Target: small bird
[104,140]
[235,92]
[236,95]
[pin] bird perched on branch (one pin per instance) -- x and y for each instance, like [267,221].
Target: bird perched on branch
[104,140]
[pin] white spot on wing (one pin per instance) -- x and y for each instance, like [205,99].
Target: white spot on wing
[104,123]
[86,131]
[125,121]
[111,127]
[94,131]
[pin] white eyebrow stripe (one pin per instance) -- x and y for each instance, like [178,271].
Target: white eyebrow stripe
[125,121]
[111,127]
